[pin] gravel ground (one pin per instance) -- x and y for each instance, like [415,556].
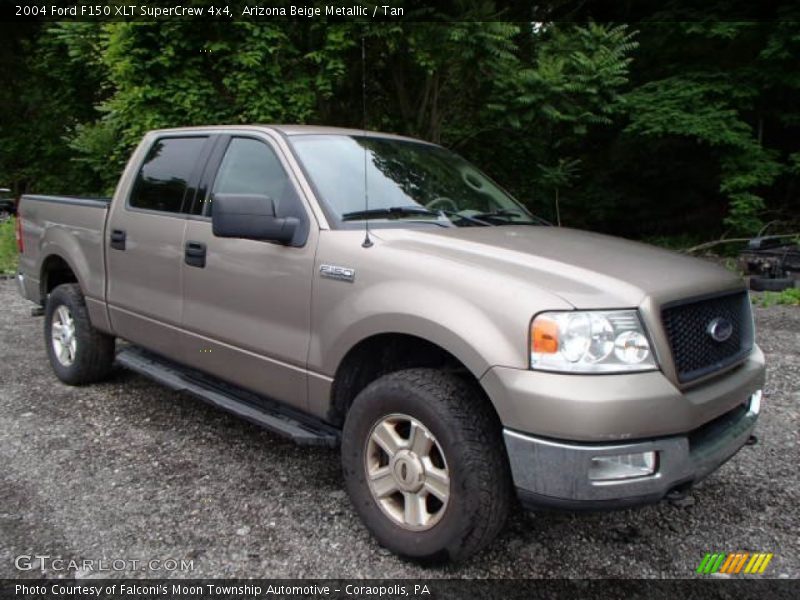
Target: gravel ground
[130,470]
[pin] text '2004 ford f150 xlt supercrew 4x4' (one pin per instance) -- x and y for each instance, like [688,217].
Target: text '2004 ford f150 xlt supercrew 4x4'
[378,292]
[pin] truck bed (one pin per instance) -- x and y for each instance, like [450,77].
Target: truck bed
[69,227]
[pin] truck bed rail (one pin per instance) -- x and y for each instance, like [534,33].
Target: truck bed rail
[78,200]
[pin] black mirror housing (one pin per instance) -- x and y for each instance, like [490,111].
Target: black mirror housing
[250,216]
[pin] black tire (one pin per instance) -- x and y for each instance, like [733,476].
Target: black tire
[470,436]
[94,350]
[767,284]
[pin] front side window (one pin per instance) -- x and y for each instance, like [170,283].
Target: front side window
[252,167]
[164,176]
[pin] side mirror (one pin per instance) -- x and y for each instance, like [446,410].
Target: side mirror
[250,216]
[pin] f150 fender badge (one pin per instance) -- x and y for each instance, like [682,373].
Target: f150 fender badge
[720,329]
[335,272]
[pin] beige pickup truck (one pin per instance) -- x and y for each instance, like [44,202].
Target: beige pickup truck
[380,293]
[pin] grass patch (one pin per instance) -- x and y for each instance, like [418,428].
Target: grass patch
[8,248]
[789,297]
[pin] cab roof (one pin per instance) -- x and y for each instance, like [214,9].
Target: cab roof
[290,130]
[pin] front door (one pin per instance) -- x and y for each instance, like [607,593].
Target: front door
[246,307]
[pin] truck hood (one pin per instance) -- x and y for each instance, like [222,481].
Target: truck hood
[585,269]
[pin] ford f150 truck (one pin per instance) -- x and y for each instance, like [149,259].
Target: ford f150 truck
[376,292]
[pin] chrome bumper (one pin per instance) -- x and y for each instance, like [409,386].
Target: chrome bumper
[556,474]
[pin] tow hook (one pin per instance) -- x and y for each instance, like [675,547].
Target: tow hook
[751,441]
[676,494]
[679,495]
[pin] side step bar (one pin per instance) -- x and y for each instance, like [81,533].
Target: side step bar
[271,415]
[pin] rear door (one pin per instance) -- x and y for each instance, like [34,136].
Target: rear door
[144,237]
[247,303]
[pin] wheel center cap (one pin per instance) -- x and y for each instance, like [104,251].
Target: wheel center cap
[408,471]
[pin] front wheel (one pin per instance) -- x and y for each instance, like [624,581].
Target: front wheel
[425,466]
[78,352]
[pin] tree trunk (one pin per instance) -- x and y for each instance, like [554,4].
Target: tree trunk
[558,210]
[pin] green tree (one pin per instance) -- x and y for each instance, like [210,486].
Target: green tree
[726,89]
[557,177]
[679,127]
[177,74]
[43,97]
[567,82]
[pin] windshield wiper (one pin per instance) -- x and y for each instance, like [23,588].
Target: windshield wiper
[393,212]
[507,217]
[453,215]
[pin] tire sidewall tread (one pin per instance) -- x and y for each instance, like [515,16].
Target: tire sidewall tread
[94,354]
[470,434]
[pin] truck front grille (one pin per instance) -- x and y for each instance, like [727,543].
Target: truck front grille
[688,326]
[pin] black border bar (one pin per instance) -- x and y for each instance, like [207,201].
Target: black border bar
[700,588]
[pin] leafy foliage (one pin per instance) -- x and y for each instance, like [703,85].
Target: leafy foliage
[731,101]
[175,74]
[666,128]
[8,248]
[558,176]
[574,79]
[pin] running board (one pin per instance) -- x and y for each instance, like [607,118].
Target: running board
[269,414]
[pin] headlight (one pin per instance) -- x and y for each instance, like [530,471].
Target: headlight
[590,342]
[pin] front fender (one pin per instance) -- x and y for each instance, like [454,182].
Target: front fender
[452,322]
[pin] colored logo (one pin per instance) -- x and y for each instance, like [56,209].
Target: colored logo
[734,563]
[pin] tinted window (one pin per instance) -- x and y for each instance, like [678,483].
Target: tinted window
[164,176]
[251,167]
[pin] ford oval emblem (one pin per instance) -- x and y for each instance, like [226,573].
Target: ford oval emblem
[720,329]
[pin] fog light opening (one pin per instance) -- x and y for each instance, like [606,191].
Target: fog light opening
[623,466]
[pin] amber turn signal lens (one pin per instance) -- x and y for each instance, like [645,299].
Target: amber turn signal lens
[544,336]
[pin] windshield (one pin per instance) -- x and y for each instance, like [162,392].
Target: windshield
[407,182]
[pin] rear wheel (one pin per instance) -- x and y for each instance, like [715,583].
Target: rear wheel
[78,352]
[425,466]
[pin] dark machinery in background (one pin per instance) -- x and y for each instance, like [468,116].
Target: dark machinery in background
[772,262]
[8,206]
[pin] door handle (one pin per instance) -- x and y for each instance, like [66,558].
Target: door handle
[118,239]
[195,254]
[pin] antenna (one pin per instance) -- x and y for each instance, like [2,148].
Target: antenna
[367,243]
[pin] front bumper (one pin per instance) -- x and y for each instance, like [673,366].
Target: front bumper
[615,408]
[556,474]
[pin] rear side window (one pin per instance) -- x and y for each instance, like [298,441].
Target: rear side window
[164,177]
[252,167]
